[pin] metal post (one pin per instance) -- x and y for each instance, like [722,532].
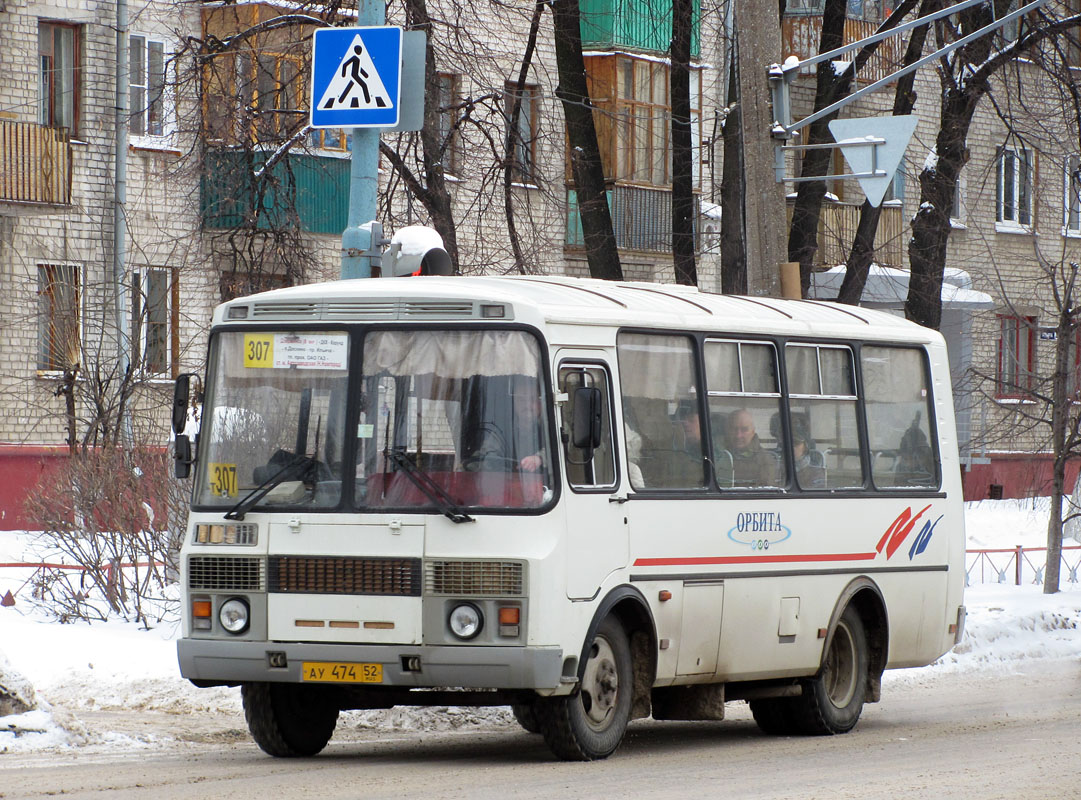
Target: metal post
[363,176]
[120,222]
[1020,557]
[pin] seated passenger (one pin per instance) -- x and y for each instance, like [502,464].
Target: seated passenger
[809,475]
[518,449]
[753,466]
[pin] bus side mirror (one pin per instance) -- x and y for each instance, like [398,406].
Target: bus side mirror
[181,393]
[182,458]
[586,426]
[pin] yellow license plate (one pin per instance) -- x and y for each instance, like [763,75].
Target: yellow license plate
[339,672]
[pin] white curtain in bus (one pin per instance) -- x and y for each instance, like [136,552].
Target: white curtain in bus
[451,354]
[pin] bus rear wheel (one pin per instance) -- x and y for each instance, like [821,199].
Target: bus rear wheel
[289,721]
[590,723]
[832,701]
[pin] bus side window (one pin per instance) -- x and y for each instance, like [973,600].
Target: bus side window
[822,406]
[584,469]
[898,402]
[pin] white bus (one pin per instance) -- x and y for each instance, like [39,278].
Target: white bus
[591,501]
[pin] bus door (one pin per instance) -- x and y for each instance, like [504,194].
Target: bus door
[596,528]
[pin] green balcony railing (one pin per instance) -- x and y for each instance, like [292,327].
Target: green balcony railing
[312,191]
[644,25]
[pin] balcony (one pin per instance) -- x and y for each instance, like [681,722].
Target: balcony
[837,228]
[641,217]
[35,165]
[314,188]
[640,25]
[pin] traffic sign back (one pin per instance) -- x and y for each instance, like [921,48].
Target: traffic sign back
[356,77]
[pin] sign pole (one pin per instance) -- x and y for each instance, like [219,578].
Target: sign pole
[357,244]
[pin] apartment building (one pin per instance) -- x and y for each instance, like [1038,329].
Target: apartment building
[227,192]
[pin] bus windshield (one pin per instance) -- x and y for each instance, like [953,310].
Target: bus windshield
[453,417]
[274,420]
[445,421]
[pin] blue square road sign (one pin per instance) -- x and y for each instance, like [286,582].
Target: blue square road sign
[356,77]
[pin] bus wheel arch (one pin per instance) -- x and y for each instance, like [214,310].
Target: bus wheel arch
[865,597]
[615,674]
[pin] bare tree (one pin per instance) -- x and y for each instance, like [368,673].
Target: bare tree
[585,155]
[682,161]
[966,77]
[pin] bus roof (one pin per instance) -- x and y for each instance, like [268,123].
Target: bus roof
[539,299]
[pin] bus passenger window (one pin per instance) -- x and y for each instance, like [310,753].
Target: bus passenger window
[899,409]
[744,401]
[661,413]
[822,405]
[584,468]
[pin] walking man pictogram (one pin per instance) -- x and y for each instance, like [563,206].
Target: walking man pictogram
[352,65]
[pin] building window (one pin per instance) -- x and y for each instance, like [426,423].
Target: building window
[446,101]
[58,77]
[634,123]
[255,96]
[58,316]
[1072,202]
[147,94]
[155,342]
[524,135]
[1016,355]
[1014,195]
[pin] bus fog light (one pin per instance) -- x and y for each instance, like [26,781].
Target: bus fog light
[465,621]
[233,615]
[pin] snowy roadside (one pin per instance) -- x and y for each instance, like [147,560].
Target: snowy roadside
[80,670]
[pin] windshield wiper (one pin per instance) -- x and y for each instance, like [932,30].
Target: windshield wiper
[295,468]
[423,481]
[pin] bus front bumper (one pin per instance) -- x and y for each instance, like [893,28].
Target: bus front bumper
[208,662]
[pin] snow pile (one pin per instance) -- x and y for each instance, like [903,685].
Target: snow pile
[81,669]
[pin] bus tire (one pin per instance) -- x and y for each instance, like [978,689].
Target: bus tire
[773,715]
[288,721]
[590,723]
[526,716]
[832,701]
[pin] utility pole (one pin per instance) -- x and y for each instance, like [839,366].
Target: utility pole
[357,244]
[758,28]
[120,221]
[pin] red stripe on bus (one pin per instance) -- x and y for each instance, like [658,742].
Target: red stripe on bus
[687,562]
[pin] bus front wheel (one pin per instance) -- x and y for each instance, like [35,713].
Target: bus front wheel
[590,723]
[288,721]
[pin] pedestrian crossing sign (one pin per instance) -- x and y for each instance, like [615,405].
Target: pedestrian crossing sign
[356,77]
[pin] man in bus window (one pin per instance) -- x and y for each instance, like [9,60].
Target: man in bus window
[519,445]
[752,464]
[810,474]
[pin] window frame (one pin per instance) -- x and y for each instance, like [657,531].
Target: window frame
[583,365]
[523,173]
[166,98]
[1025,329]
[1015,213]
[1071,196]
[140,330]
[49,114]
[447,116]
[46,362]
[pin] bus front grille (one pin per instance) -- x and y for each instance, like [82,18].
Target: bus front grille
[225,574]
[484,578]
[337,575]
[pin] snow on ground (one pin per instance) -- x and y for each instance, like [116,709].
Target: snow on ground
[80,669]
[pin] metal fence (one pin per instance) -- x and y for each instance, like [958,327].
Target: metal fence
[1019,565]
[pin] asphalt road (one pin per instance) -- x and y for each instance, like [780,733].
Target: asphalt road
[972,735]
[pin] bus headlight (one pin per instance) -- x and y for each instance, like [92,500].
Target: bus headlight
[465,621]
[234,615]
